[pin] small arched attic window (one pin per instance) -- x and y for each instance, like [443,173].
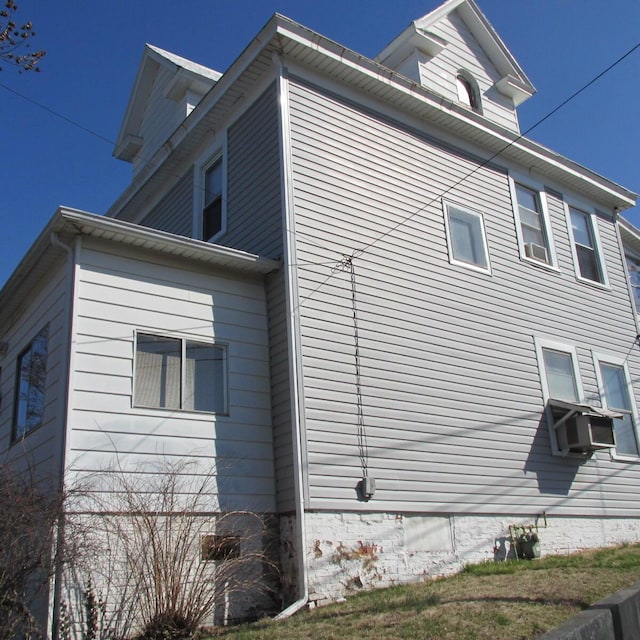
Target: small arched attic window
[468,93]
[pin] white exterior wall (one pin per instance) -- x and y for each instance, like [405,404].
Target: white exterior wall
[39,450]
[451,388]
[463,52]
[120,293]
[347,552]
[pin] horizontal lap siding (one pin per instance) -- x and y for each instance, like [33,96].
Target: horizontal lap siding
[41,449]
[463,51]
[253,180]
[121,293]
[174,213]
[451,390]
[254,223]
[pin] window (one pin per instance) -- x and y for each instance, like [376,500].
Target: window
[172,373]
[466,236]
[560,375]
[633,269]
[617,396]
[589,265]
[467,92]
[30,385]
[218,548]
[212,201]
[533,225]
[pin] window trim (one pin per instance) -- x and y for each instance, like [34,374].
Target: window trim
[592,219]
[201,168]
[554,345]
[485,246]
[184,338]
[15,436]
[618,361]
[514,181]
[471,88]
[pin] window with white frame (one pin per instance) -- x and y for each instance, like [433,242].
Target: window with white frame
[30,385]
[467,89]
[633,269]
[212,210]
[180,374]
[535,235]
[466,238]
[617,395]
[589,264]
[561,374]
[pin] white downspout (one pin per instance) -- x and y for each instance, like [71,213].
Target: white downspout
[293,335]
[71,288]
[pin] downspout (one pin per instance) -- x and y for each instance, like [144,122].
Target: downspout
[57,588]
[296,386]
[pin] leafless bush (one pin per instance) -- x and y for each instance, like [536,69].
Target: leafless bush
[29,516]
[160,559]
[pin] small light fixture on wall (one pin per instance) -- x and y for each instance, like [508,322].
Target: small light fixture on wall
[4,348]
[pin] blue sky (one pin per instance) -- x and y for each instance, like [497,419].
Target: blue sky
[94,48]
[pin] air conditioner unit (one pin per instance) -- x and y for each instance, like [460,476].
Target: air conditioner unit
[584,433]
[535,251]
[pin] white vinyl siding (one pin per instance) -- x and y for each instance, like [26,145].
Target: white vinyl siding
[452,394]
[46,304]
[124,293]
[463,51]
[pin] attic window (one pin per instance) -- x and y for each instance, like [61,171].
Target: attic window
[467,92]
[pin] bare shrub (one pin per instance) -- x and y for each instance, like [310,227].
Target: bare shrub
[161,559]
[29,516]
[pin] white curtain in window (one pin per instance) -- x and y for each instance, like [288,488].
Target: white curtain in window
[158,372]
[204,378]
[560,375]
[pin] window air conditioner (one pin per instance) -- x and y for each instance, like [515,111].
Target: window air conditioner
[583,433]
[535,251]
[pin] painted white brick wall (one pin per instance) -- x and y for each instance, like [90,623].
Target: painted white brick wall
[347,552]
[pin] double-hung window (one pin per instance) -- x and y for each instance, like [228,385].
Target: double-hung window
[179,374]
[466,236]
[633,269]
[30,385]
[533,225]
[212,201]
[560,374]
[586,248]
[615,390]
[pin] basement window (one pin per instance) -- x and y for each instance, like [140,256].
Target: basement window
[218,548]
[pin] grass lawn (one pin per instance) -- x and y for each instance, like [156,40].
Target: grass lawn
[492,601]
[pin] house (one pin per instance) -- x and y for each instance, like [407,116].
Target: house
[422,330]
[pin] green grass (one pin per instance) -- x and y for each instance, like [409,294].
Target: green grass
[490,601]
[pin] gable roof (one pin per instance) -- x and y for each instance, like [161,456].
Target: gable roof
[513,83]
[187,76]
[67,224]
[282,38]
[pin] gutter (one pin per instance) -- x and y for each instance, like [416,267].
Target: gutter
[296,385]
